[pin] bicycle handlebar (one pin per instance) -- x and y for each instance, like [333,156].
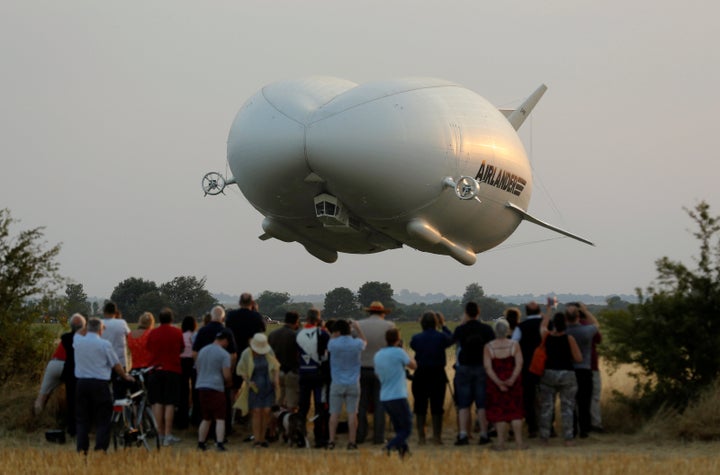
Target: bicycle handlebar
[141,371]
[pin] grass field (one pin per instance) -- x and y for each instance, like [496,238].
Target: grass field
[601,457]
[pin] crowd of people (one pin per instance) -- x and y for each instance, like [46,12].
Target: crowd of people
[229,372]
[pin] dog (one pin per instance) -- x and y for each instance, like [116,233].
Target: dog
[292,426]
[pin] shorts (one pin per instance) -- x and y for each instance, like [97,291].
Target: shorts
[212,404]
[289,389]
[470,386]
[348,393]
[164,388]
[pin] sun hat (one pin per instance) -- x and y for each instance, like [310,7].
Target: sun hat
[259,344]
[377,307]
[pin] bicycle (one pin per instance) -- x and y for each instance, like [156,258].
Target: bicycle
[133,422]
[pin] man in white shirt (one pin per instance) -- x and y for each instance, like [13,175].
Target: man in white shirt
[116,331]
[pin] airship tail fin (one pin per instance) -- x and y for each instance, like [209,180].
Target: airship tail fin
[518,116]
[528,217]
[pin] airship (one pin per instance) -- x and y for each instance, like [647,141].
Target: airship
[363,168]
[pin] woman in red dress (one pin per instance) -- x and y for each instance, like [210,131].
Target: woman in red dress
[504,404]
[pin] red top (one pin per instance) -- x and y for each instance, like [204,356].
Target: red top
[165,343]
[59,353]
[141,356]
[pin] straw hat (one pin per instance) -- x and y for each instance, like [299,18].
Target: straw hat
[377,307]
[259,344]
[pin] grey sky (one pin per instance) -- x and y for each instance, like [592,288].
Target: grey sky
[111,112]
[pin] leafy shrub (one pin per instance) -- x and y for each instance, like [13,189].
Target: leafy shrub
[673,333]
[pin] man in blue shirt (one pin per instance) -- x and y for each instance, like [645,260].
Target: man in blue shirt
[430,381]
[95,360]
[345,354]
[390,363]
[213,376]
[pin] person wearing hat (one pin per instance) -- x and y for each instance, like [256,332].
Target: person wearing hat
[213,376]
[259,370]
[374,327]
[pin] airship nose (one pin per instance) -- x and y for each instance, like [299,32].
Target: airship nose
[266,145]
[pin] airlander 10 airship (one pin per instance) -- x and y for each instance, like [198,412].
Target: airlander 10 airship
[362,168]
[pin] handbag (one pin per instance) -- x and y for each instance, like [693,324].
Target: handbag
[537,364]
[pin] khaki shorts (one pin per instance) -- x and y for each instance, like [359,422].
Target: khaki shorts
[289,389]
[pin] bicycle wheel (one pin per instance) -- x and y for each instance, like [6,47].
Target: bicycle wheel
[149,434]
[119,429]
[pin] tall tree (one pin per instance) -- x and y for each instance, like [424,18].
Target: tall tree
[451,309]
[376,291]
[187,295]
[28,269]
[473,293]
[341,302]
[152,302]
[673,333]
[269,302]
[127,293]
[77,300]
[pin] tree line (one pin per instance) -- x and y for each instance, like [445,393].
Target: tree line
[187,295]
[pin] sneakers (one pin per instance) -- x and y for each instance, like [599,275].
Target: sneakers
[462,440]
[220,447]
[484,440]
[202,446]
[170,439]
[330,445]
[352,446]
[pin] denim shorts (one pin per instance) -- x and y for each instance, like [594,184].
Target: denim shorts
[348,393]
[470,386]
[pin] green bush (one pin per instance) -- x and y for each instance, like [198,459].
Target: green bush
[673,333]
[28,273]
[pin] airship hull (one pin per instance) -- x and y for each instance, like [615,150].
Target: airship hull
[378,155]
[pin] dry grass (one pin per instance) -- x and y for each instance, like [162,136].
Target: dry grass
[700,421]
[366,461]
